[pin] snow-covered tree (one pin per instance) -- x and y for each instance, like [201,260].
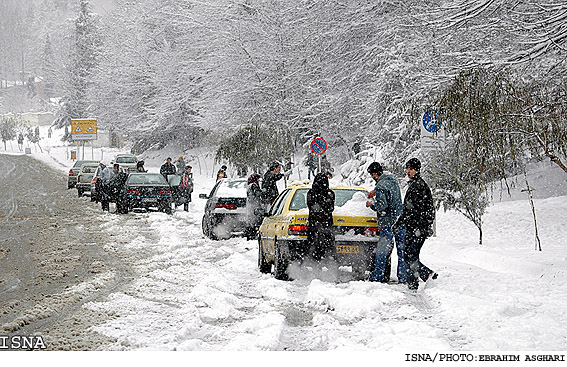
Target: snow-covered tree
[83,57]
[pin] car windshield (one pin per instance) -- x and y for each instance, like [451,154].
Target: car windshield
[232,189]
[153,178]
[126,160]
[342,197]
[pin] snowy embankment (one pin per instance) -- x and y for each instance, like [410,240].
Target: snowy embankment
[192,293]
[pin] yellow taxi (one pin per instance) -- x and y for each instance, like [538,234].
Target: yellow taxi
[283,234]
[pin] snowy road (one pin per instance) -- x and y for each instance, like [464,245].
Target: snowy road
[193,293]
[154,282]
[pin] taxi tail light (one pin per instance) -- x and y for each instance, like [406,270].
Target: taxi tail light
[298,229]
[94,180]
[163,192]
[71,173]
[135,192]
[226,206]
[372,231]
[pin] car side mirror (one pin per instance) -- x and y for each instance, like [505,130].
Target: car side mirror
[203,196]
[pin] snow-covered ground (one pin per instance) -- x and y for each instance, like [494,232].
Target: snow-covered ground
[196,294]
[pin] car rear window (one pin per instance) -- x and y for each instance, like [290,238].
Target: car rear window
[126,160]
[342,196]
[88,169]
[232,189]
[80,163]
[146,179]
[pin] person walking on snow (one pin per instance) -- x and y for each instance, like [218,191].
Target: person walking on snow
[418,216]
[387,203]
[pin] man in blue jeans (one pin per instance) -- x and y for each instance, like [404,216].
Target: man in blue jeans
[387,203]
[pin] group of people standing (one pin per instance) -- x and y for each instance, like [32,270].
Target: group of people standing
[111,181]
[408,223]
[185,188]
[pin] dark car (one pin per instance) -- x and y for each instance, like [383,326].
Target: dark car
[145,190]
[74,172]
[225,211]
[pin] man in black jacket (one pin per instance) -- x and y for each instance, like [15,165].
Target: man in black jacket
[418,216]
[167,168]
[269,184]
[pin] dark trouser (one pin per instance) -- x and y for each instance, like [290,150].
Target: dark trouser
[105,196]
[253,224]
[415,238]
[321,240]
[184,198]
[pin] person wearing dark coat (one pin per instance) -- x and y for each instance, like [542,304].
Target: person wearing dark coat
[140,167]
[417,216]
[269,184]
[222,172]
[116,184]
[167,168]
[321,204]
[255,206]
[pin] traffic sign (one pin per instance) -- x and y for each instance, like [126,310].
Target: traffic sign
[318,145]
[430,121]
[432,134]
[83,129]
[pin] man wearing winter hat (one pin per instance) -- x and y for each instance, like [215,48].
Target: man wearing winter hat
[418,216]
[387,203]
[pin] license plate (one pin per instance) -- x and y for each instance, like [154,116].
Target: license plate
[347,249]
[149,200]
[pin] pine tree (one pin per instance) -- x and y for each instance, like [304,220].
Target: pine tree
[83,58]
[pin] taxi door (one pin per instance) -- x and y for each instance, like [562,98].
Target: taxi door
[273,223]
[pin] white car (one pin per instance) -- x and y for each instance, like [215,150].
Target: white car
[126,161]
[85,177]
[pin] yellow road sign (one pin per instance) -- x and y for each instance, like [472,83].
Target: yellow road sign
[83,129]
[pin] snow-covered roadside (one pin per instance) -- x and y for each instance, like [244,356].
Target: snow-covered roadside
[196,294]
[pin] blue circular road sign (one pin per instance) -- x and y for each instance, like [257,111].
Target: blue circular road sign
[318,146]
[430,121]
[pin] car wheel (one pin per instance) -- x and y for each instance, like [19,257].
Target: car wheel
[264,266]
[80,192]
[280,265]
[208,230]
[358,272]
[204,227]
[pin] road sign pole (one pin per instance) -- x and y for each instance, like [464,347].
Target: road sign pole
[319,164]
